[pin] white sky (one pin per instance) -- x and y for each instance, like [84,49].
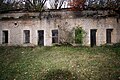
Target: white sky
[65,4]
[46,4]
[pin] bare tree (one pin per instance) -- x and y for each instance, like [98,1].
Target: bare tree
[56,4]
[6,5]
[36,5]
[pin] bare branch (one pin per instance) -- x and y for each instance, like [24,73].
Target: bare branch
[56,4]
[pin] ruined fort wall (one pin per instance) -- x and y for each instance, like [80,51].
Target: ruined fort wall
[64,22]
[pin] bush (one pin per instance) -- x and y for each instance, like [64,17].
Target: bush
[79,35]
[116,45]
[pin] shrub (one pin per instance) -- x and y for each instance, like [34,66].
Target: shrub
[79,35]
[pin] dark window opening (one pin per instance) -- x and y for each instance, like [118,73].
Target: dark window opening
[108,35]
[41,37]
[26,36]
[5,37]
[54,36]
[93,37]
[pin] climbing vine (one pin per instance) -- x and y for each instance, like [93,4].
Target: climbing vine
[79,35]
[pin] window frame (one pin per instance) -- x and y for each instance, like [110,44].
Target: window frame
[55,36]
[26,36]
[109,36]
[4,37]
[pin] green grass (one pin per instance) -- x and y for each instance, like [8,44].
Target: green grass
[60,63]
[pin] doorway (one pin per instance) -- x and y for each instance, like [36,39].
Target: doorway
[41,37]
[93,37]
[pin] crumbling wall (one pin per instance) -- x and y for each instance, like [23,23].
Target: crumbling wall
[67,26]
[64,21]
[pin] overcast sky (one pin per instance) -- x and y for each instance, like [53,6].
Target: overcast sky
[65,4]
[46,4]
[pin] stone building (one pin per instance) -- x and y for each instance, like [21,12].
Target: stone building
[33,28]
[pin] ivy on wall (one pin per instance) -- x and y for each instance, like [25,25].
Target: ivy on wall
[79,35]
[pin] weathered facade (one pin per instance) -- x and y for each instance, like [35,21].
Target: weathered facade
[28,29]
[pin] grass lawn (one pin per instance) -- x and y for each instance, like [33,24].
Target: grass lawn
[60,63]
